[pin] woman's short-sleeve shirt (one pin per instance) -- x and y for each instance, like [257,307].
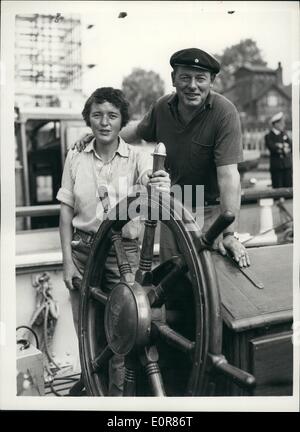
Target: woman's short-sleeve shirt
[84,176]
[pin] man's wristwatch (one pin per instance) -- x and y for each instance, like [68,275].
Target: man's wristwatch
[231,233]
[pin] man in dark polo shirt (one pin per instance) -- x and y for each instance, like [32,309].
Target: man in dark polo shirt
[202,134]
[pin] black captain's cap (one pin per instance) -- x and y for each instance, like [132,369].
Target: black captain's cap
[195,57]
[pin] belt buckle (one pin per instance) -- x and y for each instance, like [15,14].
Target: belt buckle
[84,236]
[90,237]
[76,236]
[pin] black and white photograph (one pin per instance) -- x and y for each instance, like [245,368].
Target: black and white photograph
[149,206]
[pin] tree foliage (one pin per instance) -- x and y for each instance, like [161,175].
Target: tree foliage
[142,88]
[235,56]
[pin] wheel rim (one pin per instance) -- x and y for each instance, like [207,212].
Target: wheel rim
[182,332]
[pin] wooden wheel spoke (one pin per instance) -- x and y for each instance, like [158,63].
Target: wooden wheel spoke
[158,294]
[143,274]
[130,376]
[99,295]
[149,360]
[173,338]
[163,270]
[122,260]
[155,379]
[101,359]
[148,245]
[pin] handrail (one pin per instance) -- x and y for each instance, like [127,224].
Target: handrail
[255,194]
[41,210]
[248,196]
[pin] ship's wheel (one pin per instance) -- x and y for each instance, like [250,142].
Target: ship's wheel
[157,318]
[164,320]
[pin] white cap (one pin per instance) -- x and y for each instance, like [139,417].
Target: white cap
[277,117]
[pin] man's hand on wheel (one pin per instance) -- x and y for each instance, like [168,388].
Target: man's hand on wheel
[81,144]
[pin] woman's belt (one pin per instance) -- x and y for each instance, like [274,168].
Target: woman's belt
[89,237]
[85,236]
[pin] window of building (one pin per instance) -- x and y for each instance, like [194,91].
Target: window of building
[272,100]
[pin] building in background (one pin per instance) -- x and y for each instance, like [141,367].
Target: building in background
[48,102]
[259,93]
[48,63]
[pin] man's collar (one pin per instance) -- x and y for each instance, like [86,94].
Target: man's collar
[209,100]
[122,149]
[173,100]
[276,131]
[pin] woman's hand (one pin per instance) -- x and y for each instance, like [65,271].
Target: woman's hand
[81,144]
[160,180]
[71,276]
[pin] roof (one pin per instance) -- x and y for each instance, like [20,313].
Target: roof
[256,68]
[258,91]
[288,90]
[264,90]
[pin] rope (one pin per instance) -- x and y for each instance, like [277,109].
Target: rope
[53,389]
[33,332]
[268,230]
[45,315]
[50,358]
[66,379]
[282,208]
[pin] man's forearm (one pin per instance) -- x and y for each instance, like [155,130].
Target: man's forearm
[230,196]
[129,132]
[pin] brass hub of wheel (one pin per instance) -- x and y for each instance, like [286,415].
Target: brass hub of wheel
[127,318]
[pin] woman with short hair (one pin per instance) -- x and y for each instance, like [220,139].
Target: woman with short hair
[92,181]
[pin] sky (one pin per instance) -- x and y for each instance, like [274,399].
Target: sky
[152,31]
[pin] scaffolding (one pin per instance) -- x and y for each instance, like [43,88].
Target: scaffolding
[48,65]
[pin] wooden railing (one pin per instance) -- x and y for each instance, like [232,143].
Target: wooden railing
[248,196]
[254,139]
[255,194]
[42,210]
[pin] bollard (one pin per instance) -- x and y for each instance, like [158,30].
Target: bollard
[266,222]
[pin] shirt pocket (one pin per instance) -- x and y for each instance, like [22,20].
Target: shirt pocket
[200,153]
[125,171]
[121,177]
